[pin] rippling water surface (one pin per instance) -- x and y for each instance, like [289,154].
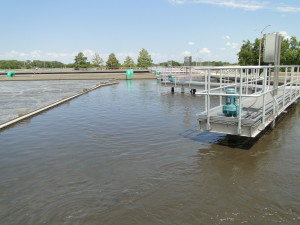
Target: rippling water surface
[133,154]
[19,97]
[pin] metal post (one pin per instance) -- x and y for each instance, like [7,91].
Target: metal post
[190,78]
[256,79]
[264,96]
[298,80]
[291,82]
[269,78]
[278,40]
[247,80]
[239,128]
[235,80]
[221,86]
[208,100]
[284,86]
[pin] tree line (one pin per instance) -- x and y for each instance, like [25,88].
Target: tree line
[81,61]
[249,52]
[28,64]
[195,63]
[248,55]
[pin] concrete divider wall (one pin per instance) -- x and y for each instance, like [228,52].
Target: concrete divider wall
[76,77]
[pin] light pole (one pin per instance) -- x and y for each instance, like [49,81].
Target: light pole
[261,37]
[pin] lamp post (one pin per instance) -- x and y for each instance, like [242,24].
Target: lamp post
[261,37]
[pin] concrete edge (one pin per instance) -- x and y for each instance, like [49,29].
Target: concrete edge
[39,77]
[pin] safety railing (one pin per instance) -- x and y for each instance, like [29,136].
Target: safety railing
[271,94]
[261,92]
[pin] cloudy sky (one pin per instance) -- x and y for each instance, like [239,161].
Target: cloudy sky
[168,29]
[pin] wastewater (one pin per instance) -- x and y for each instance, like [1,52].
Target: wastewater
[132,153]
[18,97]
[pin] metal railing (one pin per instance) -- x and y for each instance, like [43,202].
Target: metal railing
[260,90]
[257,83]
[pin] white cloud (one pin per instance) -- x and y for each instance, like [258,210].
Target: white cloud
[249,5]
[232,45]
[246,5]
[186,53]
[285,35]
[191,43]
[243,4]
[17,54]
[177,2]
[227,37]
[14,53]
[288,9]
[69,57]
[125,54]
[58,55]
[158,57]
[88,53]
[36,54]
[204,51]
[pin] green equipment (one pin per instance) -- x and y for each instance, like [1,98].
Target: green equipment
[170,78]
[129,74]
[231,107]
[11,74]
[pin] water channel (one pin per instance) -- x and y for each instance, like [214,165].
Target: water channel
[132,154]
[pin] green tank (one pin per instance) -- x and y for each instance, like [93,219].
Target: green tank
[129,74]
[11,74]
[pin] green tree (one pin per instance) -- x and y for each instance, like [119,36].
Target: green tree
[81,61]
[255,51]
[11,64]
[28,64]
[97,60]
[172,62]
[128,62]
[112,61]
[246,54]
[70,65]
[290,52]
[15,64]
[144,59]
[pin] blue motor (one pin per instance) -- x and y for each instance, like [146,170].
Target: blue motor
[170,78]
[231,107]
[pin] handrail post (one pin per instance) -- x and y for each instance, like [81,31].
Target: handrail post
[239,128]
[264,95]
[247,80]
[291,82]
[298,80]
[235,80]
[208,100]
[284,86]
[256,79]
[221,86]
